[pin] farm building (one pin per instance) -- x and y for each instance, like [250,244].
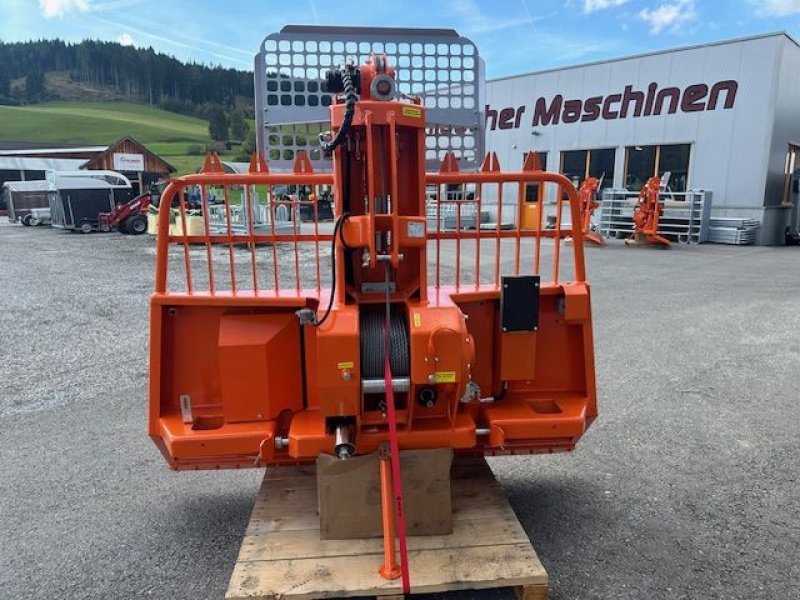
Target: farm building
[126,156]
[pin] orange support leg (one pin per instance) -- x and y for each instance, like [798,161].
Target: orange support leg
[390,569]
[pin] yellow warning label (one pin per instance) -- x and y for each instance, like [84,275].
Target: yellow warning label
[417,320]
[444,377]
[345,365]
[412,111]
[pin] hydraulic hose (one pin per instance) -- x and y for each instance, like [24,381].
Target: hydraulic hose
[337,230]
[350,98]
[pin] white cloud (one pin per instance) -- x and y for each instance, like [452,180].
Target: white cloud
[670,15]
[126,39]
[473,20]
[58,8]
[593,5]
[776,8]
[171,41]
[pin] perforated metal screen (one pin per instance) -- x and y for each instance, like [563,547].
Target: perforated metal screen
[439,65]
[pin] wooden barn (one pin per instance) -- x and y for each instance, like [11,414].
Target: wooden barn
[132,159]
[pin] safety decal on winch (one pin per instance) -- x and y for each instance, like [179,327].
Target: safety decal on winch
[444,377]
[345,365]
[416,229]
[412,111]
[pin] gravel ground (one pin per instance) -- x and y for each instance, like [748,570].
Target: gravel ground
[685,487]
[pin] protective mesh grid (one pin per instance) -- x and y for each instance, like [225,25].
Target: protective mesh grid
[438,65]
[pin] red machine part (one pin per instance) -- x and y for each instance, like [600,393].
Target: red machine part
[127,218]
[587,195]
[646,215]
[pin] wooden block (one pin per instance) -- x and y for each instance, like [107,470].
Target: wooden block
[282,555]
[532,592]
[349,493]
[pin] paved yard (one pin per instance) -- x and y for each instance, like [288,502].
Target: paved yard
[685,487]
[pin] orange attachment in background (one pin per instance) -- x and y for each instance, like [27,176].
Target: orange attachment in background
[531,202]
[646,215]
[588,198]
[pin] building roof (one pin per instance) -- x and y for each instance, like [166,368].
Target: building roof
[51,151]
[87,157]
[31,163]
[128,144]
[84,179]
[79,183]
[235,167]
[784,34]
[37,185]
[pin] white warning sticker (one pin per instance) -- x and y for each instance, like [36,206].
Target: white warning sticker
[416,229]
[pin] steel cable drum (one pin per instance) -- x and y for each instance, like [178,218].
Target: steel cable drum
[372,322]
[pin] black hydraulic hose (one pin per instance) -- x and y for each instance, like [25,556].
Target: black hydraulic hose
[337,230]
[350,98]
[328,146]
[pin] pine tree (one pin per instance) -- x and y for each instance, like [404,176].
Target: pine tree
[218,125]
[137,74]
[34,86]
[248,147]
[239,126]
[5,81]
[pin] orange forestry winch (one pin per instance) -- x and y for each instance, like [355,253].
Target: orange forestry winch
[256,359]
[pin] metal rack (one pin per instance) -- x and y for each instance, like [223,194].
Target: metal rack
[685,219]
[734,230]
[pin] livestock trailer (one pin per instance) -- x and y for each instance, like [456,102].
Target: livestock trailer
[22,197]
[78,197]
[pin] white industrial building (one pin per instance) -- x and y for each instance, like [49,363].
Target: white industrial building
[723,117]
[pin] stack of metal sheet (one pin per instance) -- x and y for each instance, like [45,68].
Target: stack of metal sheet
[733,230]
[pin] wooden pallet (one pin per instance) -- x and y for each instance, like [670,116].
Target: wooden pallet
[282,556]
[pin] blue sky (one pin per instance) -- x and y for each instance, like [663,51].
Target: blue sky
[514,36]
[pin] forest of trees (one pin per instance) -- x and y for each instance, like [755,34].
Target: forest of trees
[139,75]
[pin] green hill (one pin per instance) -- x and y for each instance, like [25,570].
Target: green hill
[170,135]
[90,123]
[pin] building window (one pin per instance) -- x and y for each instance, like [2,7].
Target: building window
[675,161]
[574,166]
[644,162]
[542,159]
[577,165]
[640,164]
[532,189]
[601,165]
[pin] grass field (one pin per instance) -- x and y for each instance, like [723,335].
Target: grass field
[166,133]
